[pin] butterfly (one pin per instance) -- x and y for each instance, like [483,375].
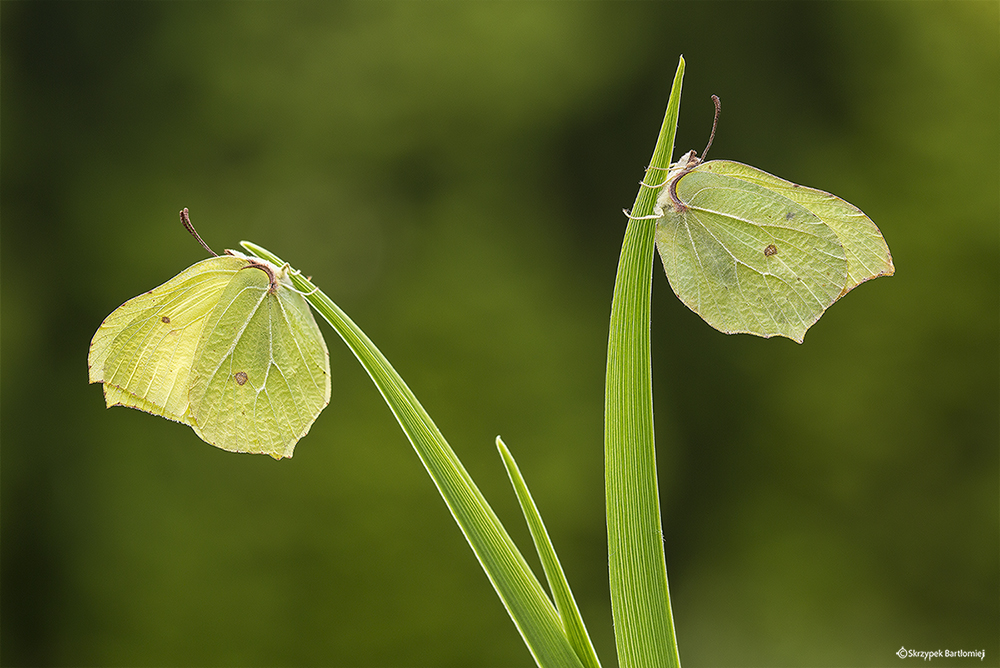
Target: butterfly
[227,346]
[753,253]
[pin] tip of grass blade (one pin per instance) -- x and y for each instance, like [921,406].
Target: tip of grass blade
[569,613]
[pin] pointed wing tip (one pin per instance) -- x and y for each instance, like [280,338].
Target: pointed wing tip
[890,270]
[765,335]
[800,339]
[273,454]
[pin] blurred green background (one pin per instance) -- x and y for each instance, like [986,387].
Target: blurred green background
[453,176]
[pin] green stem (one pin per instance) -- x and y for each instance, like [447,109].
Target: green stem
[640,599]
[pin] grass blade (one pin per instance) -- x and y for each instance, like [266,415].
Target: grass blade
[640,599]
[519,590]
[565,603]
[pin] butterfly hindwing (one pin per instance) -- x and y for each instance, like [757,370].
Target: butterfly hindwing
[867,253]
[261,373]
[748,259]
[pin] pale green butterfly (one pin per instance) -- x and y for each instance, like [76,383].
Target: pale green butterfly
[752,253]
[227,346]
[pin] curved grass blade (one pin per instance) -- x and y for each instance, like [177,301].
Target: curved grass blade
[519,590]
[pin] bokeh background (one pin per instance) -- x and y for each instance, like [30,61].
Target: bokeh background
[453,176]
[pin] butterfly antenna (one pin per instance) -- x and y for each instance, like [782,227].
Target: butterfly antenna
[715,123]
[186,219]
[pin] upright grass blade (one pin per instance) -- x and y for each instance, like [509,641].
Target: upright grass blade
[565,603]
[640,600]
[533,614]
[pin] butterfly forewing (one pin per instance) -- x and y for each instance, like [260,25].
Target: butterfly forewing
[262,373]
[142,352]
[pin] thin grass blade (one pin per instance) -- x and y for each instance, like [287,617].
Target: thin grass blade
[558,584]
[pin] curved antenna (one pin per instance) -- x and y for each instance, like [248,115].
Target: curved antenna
[715,123]
[693,162]
[186,219]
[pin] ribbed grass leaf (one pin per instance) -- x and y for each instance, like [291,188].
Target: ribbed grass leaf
[640,600]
